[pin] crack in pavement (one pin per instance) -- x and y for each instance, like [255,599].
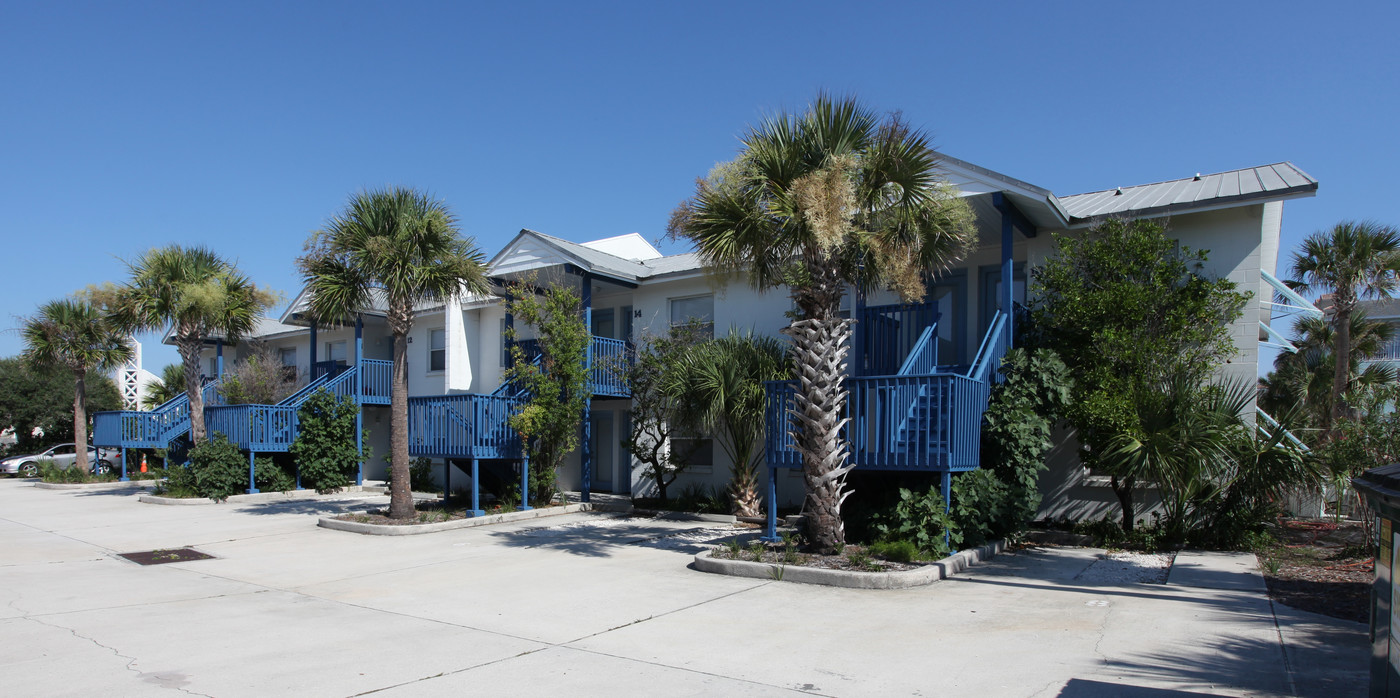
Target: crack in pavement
[156,678]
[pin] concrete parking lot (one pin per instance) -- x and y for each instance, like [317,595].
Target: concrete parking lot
[592,604]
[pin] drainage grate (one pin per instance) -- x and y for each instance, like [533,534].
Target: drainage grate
[161,557]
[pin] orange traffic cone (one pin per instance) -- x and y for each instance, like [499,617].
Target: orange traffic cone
[143,462]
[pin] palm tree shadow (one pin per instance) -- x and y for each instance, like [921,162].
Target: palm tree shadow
[1089,688]
[600,536]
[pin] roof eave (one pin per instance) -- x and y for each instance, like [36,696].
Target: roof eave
[1215,204]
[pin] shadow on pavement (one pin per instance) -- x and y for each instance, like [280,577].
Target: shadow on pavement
[1086,688]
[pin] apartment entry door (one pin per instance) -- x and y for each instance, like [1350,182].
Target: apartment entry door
[603,443]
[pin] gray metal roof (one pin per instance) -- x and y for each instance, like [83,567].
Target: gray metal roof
[674,264]
[1280,180]
[595,260]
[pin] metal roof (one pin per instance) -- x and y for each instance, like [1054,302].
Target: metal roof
[1280,180]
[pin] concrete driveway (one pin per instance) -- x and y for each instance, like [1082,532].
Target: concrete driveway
[601,606]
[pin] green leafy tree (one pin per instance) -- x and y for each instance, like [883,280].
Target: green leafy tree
[77,337]
[259,378]
[1127,310]
[42,400]
[1353,260]
[406,245]
[167,387]
[325,448]
[556,387]
[198,296]
[832,197]
[720,382]
[655,416]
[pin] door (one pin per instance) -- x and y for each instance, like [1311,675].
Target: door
[623,482]
[604,448]
[604,323]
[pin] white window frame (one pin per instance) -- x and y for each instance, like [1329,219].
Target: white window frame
[432,332]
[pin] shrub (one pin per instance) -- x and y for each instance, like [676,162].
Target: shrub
[894,551]
[272,476]
[983,508]
[325,445]
[218,468]
[921,519]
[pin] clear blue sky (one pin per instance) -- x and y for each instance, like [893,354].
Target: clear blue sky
[244,125]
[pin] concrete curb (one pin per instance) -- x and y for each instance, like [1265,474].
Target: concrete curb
[290,496]
[370,529]
[685,516]
[906,579]
[134,484]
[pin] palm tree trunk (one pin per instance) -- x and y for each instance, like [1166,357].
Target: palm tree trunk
[400,485]
[189,348]
[820,341]
[1341,355]
[1124,492]
[743,490]
[80,436]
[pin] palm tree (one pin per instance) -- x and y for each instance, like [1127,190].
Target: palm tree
[198,295]
[1303,380]
[721,383]
[75,335]
[164,389]
[1352,260]
[405,245]
[817,201]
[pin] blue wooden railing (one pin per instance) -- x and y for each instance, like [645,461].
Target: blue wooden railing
[462,426]
[331,368]
[923,358]
[887,333]
[986,366]
[924,423]
[254,427]
[378,380]
[149,429]
[607,359]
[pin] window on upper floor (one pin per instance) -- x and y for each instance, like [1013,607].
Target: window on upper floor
[700,309]
[288,356]
[437,350]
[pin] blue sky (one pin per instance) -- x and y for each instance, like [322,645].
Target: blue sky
[243,126]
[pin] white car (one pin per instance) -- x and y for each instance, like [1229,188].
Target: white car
[65,456]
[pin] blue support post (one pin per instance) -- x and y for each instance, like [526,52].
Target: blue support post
[297,467]
[476,492]
[1008,275]
[772,534]
[359,400]
[446,480]
[218,358]
[124,477]
[586,455]
[946,485]
[525,482]
[252,466]
[858,346]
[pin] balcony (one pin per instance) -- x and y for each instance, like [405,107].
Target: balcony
[608,361]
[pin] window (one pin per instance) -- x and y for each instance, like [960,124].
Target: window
[437,350]
[695,309]
[288,355]
[338,352]
[696,451]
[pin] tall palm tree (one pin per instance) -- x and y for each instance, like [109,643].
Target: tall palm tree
[817,201]
[163,389]
[1354,259]
[721,382]
[198,295]
[76,336]
[406,245]
[1304,379]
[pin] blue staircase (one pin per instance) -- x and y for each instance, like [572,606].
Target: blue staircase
[157,428]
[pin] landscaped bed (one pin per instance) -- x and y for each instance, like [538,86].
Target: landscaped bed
[1322,567]
[433,518]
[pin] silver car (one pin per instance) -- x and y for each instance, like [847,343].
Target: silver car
[65,456]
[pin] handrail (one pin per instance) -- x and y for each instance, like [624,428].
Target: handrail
[1286,433]
[1299,303]
[466,425]
[991,350]
[298,396]
[923,358]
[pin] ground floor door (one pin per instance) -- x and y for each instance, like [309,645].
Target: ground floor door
[603,444]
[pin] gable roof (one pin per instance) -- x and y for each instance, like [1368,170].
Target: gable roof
[1281,180]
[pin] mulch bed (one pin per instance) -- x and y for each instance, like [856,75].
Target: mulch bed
[852,559]
[428,513]
[1323,567]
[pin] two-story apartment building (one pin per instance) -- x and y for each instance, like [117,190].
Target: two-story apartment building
[457,348]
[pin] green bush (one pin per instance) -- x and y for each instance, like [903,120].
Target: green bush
[984,508]
[218,468]
[921,519]
[179,482]
[325,448]
[894,551]
[272,477]
[49,472]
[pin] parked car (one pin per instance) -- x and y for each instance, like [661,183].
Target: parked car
[101,460]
